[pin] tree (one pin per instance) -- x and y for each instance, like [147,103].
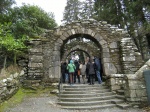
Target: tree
[72,11]
[29,20]
[129,14]
[109,10]
[9,45]
[5,5]
[87,9]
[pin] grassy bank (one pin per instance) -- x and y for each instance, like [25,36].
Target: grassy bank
[21,94]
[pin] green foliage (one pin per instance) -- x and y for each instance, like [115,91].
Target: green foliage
[130,14]
[5,5]
[30,20]
[72,11]
[18,25]
[9,45]
[87,10]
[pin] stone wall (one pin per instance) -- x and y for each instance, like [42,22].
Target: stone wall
[135,89]
[116,82]
[9,86]
[131,58]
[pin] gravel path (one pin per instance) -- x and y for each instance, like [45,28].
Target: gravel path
[48,104]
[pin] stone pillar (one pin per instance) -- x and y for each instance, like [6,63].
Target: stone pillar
[116,81]
[35,65]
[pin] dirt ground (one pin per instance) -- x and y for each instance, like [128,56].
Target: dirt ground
[46,103]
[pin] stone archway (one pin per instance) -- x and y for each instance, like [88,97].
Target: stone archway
[44,56]
[102,34]
[89,50]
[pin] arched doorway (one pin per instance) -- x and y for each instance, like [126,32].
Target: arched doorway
[48,49]
[108,66]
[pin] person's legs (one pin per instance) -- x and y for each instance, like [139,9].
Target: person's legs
[70,78]
[66,77]
[75,75]
[98,76]
[83,78]
[90,78]
[78,76]
[63,77]
[93,78]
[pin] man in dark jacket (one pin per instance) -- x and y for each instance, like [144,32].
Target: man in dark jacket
[98,68]
[91,70]
[76,72]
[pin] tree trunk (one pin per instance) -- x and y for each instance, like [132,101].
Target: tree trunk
[15,56]
[5,60]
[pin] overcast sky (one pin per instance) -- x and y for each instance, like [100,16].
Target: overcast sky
[55,6]
[49,6]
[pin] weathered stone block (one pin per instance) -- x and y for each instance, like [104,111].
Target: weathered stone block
[102,42]
[141,93]
[110,68]
[35,65]
[57,71]
[34,50]
[35,58]
[62,37]
[66,34]
[129,58]
[115,87]
[105,55]
[106,60]
[133,99]
[73,31]
[113,45]
[105,50]
[112,81]
[143,99]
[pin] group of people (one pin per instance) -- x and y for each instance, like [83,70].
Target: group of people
[74,69]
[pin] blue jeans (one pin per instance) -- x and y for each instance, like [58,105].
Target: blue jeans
[99,77]
[66,77]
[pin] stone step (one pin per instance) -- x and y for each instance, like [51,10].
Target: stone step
[120,97]
[86,89]
[84,92]
[123,105]
[120,92]
[89,107]
[90,103]
[88,99]
[103,96]
[85,86]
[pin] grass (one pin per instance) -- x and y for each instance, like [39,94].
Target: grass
[21,94]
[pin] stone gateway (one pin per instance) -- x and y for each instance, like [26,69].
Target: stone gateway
[119,55]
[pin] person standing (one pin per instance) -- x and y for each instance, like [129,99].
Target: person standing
[91,70]
[82,68]
[71,69]
[98,68]
[76,74]
[66,73]
[63,67]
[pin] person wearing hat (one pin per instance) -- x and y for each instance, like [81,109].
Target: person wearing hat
[71,68]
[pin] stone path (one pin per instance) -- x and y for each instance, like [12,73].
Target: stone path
[47,103]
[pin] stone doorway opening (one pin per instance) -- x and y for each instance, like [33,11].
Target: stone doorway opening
[82,45]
